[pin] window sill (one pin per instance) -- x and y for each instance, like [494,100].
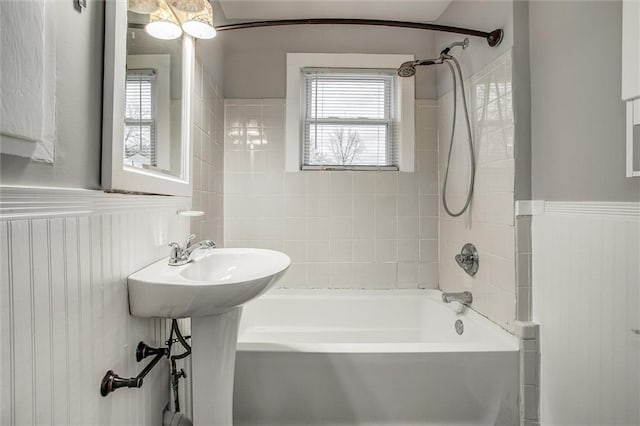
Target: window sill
[351,168]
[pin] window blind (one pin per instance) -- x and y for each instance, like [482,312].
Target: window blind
[140,118]
[349,120]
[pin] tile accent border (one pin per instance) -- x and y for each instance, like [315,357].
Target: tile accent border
[529,207]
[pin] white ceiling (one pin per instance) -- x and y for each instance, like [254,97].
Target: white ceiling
[397,10]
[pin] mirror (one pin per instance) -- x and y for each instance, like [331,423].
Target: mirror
[146,125]
[153,97]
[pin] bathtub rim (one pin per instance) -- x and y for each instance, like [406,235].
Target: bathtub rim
[505,341]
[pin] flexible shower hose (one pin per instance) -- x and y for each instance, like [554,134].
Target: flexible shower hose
[448,59]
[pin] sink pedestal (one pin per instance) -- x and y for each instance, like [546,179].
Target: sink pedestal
[213,357]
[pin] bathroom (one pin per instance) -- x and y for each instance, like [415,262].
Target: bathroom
[369,307]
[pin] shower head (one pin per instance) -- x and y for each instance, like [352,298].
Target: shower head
[408,69]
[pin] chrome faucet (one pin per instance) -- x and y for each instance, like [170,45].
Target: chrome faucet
[464,297]
[180,256]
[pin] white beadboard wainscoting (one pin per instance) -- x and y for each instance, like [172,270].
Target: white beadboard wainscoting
[586,298]
[65,256]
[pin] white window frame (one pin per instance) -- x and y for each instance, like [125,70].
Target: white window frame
[161,65]
[405,102]
[151,77]
[390,120]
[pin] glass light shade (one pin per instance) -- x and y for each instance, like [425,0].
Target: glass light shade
[163,24]
[200,25]
[188,6]
[144,7]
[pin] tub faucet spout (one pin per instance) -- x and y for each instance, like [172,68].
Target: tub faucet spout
[464,297]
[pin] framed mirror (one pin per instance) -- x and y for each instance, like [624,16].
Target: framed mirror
[146,146]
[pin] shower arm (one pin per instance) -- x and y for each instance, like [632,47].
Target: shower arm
[445,52]
[444,55]
[494,38]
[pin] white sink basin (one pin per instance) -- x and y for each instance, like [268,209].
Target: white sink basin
[217,281]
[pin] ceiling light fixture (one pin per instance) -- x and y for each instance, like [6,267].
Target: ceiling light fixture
[163,24]
[188,6]
[166,20]
[200,24]
[144,7]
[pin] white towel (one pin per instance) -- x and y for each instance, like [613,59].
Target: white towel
[27,78]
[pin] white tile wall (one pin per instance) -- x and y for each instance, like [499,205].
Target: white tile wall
[586,298]
[490,223]
[342,229]
[208,158]
[65,314]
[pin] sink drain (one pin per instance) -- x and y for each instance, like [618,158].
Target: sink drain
[459,327]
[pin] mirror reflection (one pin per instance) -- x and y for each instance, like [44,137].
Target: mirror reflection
[153,97]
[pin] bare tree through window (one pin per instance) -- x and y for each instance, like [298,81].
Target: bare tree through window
[345,145]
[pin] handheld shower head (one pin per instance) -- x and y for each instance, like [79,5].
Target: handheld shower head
[408,69]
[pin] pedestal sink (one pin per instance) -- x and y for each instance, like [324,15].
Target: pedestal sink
[211,290]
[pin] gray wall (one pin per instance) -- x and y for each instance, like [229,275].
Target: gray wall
[521,99]
[255,59]
[211,55]
[80,51]
[79,55]
[578,136]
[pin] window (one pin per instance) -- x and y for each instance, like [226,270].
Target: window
[348,111]
[349,119]
[140,119]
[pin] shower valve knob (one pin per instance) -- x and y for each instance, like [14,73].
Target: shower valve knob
[468,259]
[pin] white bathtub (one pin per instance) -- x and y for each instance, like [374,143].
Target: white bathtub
[341,357]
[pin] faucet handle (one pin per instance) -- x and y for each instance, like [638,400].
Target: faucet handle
[187,244]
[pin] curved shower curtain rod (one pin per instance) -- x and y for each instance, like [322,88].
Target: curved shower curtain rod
[493,38]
